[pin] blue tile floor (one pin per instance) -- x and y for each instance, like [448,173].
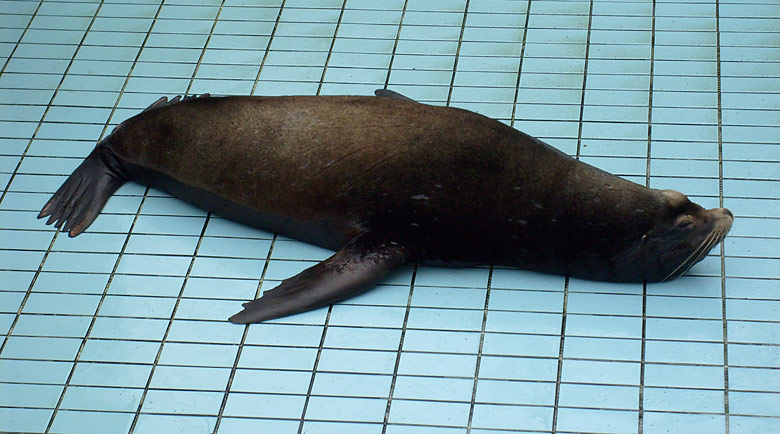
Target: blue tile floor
[123,329]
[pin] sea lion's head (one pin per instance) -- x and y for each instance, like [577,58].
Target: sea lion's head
[682,235]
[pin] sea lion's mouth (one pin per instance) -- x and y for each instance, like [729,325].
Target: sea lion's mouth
[715,236]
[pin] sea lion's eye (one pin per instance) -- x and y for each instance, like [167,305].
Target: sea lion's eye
[685,225]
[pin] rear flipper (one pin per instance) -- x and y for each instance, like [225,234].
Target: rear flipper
[351,271]
[82,196]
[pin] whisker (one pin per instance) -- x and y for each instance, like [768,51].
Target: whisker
[712,243]
[686,260]
[689,261]
[717,237]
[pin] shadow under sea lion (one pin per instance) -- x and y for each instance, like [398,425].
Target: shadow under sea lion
[384,181]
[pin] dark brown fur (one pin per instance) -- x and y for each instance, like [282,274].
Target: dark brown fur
[402,181]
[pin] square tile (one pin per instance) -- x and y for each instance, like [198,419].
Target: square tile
[506,392]
[182,402]
[29,395]
[101,399]
[257,405]
[681,422]
[346,409]
[606,421]
[355,385]
[174,423]
[270,381]
[596,396]
[684,400]
[68,421]
[24,419]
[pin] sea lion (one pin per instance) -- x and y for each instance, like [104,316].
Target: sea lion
[384,180]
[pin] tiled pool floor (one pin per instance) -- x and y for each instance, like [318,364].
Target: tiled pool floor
[123,329]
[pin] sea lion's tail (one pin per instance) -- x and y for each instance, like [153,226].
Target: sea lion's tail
[82,196]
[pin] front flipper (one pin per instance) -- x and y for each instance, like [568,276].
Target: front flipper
[351,271]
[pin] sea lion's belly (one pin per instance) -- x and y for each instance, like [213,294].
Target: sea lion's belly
[322,231]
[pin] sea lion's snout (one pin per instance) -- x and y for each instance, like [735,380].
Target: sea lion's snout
[722,219]
[724,211]
[717,224]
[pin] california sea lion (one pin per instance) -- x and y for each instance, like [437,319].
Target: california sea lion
[384,181]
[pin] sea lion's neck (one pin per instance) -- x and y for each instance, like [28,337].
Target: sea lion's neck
[579,218]
[610,209]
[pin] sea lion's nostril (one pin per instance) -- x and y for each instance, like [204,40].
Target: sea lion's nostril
[727,212]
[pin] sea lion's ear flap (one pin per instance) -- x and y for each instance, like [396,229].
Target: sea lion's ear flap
[387,93]
[351,271]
